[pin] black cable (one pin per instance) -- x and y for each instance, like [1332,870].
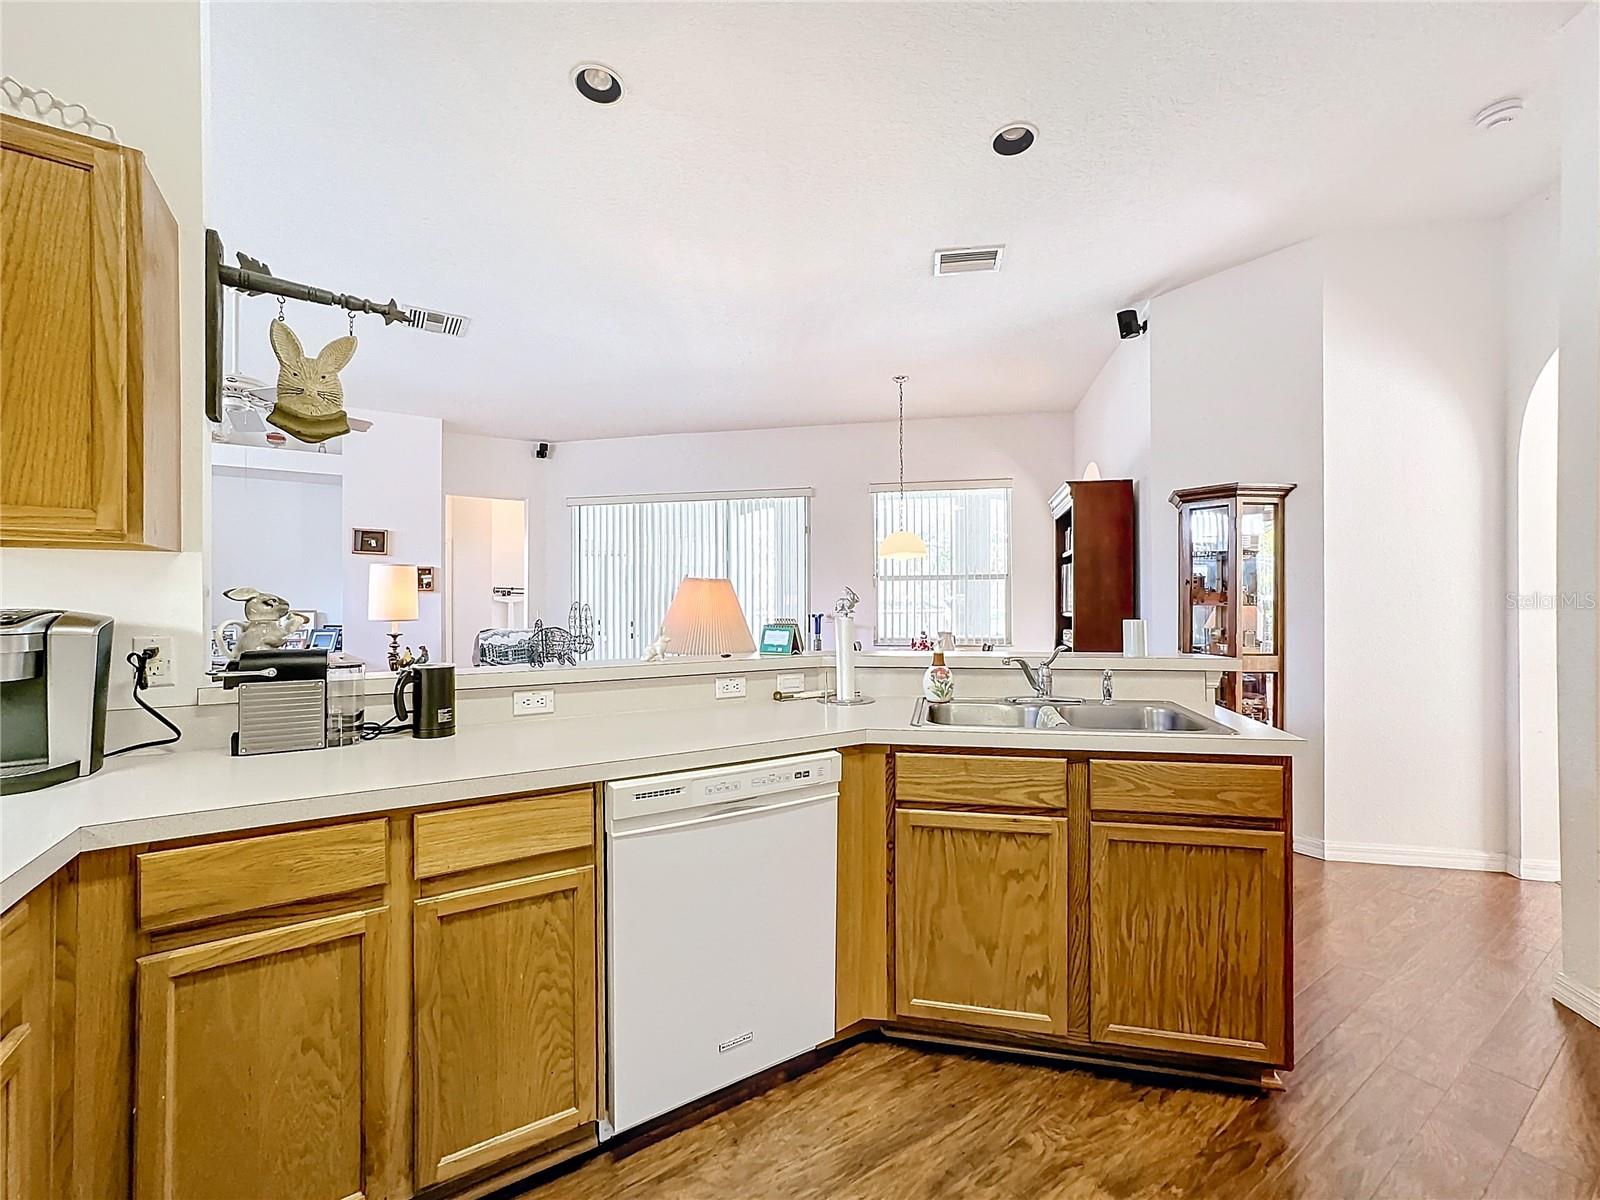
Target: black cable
[140,662]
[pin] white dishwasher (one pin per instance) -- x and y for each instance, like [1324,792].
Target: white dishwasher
[721,893]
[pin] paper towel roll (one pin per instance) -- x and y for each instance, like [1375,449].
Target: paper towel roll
[1133,638]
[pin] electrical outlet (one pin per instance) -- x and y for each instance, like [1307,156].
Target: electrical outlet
[728,687]
[158,671]
[790,683]
[524,704]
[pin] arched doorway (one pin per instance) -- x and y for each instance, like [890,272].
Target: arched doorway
[1538,813]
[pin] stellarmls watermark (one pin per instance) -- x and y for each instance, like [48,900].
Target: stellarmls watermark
[1583,601]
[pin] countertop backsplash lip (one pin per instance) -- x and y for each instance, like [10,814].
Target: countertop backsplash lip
[199,792]
[621,671]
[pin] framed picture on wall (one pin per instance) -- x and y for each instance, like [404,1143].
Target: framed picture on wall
[425,578]
[370,541]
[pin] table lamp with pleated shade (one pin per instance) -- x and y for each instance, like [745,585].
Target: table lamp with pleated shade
[705,618]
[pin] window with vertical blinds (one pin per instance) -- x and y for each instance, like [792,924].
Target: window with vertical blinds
[629,555]
[964,582]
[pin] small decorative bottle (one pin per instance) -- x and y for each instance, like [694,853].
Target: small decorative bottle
[938,682]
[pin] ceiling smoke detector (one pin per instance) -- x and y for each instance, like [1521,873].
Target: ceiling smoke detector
[1014,139]
[597,83]
[1501,112]
[968,260]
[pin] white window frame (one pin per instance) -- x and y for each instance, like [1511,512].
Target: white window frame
[643,638]
[954,485]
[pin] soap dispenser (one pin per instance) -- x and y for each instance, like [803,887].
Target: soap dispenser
[938,682]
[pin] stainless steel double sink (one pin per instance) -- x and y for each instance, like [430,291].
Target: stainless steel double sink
[1075,716]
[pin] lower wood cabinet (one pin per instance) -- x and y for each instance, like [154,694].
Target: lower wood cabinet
[505,1001]
[260,1063]
[1188,940]
[981,919]
[25,999]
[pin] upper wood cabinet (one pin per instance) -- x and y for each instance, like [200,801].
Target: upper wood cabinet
[89,345]
[981,919]
[261,1064]
[1188,940]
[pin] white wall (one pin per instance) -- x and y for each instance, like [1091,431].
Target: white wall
[1111,428]
[1532,331]
[485,546]
[1236,395]
[136,66]
[841,462]
[1414,479]
[501,468]
[1578,506]
[1533,847]
[280,533]
[393,480]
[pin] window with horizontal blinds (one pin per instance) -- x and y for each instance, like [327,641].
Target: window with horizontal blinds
[629,555]
[963,584]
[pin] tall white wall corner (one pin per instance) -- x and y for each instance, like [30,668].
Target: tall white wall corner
[1578,509]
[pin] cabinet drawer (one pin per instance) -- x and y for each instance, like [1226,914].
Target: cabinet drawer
[459,839]
[1187,788]
[198,883]
[980,780]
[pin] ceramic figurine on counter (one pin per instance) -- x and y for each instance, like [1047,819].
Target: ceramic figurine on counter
[267,623]
[656,650]
[938,681]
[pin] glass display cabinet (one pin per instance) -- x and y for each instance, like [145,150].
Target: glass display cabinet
[1230,588]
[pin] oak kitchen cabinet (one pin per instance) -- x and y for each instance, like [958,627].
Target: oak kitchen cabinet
[1189,917]
[262,1057]
[89,345]
[1124,907]
[25,1000]
[980,919]
[506,985]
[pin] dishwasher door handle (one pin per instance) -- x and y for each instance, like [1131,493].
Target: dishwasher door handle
[726,815]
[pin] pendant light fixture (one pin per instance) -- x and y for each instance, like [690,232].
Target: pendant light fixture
[902,543]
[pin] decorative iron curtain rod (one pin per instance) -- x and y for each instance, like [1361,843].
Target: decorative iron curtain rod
[253,278]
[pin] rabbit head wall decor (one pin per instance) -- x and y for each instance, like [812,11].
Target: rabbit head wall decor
[267,622]
[310,397]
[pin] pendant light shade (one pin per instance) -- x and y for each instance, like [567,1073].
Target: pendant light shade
[902,543]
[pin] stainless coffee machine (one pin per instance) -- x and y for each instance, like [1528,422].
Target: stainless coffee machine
[54,669]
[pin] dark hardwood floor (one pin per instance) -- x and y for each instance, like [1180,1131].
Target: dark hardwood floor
[1432,1064]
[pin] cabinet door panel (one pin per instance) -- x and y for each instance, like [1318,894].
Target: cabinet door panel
[1187,940]
[981,919]
[63,418]
[16,1173]
[505,1010]
[260,1064]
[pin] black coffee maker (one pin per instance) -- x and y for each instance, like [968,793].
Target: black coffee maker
[432,713]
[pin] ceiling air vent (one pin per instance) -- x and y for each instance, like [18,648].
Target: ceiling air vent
[430,321]
[967,260]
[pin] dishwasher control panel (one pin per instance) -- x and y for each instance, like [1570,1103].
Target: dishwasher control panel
[629,798]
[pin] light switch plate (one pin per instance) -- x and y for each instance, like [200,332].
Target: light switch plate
[786,682]
[728,687]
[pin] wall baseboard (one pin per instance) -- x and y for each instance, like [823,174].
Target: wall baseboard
[1413,856]
[1309,846]
[1545,870]
[1585,1001]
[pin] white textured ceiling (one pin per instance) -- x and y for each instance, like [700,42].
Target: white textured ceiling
[744,240]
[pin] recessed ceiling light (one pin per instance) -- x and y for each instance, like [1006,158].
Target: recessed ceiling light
[1501,112]
[1014,139]
[597,83]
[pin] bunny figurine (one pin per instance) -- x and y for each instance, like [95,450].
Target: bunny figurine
[267,622]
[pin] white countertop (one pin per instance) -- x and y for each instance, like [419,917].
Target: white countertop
[163,794]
